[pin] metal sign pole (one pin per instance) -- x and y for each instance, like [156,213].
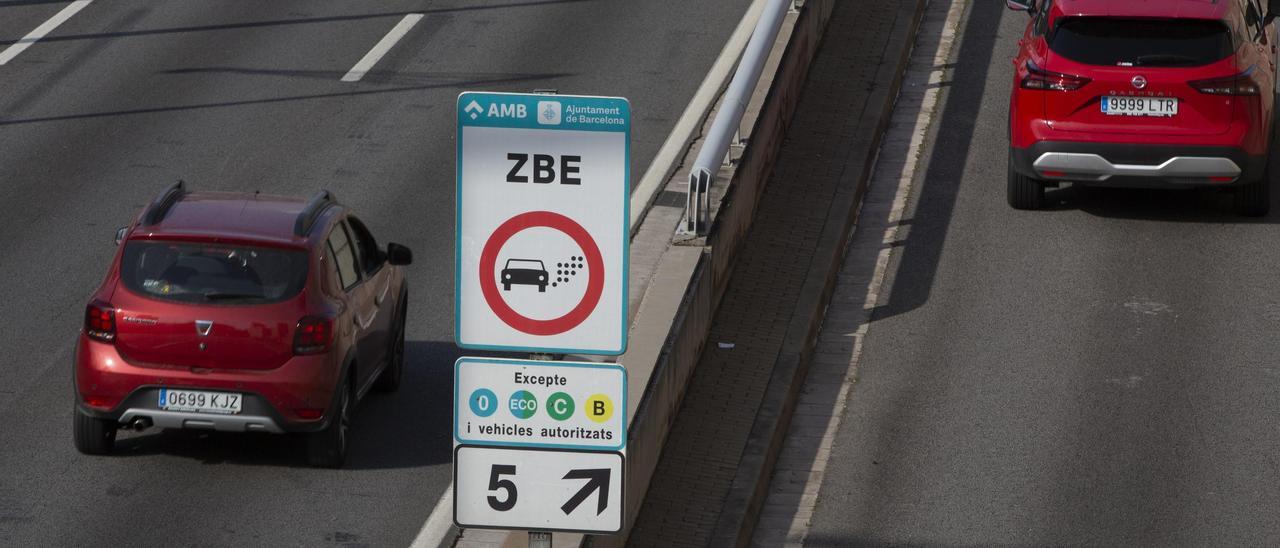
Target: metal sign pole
[539,539]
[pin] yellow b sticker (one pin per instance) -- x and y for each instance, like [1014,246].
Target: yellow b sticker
[599,408]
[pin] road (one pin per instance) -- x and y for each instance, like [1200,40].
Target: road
[1101,373]
[126,96]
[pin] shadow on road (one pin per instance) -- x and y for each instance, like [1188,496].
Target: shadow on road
[408,429]
[1196,205]
[484,82]
[944,165]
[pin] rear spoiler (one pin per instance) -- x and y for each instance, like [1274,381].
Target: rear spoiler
[160,206]
[307,218]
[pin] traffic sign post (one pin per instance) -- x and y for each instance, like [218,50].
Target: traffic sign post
[543,232]
[543,197]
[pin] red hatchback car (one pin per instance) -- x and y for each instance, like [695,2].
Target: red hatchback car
[1169,93]
[241,313]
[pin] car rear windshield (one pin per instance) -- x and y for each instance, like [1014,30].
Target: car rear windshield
[1142,42]
[211,273]
[529,264]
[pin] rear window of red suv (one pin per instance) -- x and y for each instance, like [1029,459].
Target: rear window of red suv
[1107,41]
[213,274]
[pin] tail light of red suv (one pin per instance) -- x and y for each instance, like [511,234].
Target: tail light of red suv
[100,321]
[1038,78]
[1236,84]
[313,336]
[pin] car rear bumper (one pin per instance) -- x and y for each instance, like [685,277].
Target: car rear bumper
[110,387]
[1130,165]
[144,404]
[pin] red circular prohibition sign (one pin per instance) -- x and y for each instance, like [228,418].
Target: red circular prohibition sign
[489,263]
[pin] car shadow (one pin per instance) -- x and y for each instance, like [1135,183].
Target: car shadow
[410,428]
[1191,205]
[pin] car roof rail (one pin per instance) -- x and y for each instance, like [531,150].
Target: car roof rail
[160,206]
[307,218]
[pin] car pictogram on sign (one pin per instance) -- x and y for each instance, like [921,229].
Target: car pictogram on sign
[524,272]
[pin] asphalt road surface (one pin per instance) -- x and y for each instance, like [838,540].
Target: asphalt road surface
[127,96]
[1102,373]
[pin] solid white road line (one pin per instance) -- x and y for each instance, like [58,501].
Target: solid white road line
[389,41]
[437,526]
[42,30]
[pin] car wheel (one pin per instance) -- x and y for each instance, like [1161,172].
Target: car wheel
[1254,199]
[506,287]
[94,436]
[542,288]
[389,380]
[1024,192]
[328,448]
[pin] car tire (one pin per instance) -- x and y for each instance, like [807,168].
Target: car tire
[542,289]
[506,287]
[389,380]
[1254,199]
[328,448]
[1024,192]
[94,436]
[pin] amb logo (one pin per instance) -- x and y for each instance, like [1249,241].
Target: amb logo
[496,110]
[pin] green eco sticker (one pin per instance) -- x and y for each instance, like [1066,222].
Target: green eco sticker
[523,404]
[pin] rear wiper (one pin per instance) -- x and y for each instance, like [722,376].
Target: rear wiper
[1163,59]
[231,296]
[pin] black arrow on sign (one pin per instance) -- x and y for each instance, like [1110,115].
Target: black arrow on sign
[599,479]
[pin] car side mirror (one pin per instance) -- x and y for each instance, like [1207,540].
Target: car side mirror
[121,233]
[1028,6]
[398,254]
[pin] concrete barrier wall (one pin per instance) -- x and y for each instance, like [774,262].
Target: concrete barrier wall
[708,265]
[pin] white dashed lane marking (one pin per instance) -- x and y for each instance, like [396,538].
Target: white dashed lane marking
[43,30]
[382,47]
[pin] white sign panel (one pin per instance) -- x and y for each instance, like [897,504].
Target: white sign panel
[530,403]
[543,217]
[544,490]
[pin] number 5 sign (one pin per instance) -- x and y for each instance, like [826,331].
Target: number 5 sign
[544,490]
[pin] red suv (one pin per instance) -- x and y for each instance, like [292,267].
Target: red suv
[1173,93]
[241,313]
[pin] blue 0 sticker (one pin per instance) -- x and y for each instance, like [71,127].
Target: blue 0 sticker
[483,402]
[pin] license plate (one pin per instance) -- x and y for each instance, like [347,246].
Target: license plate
[204,402]
[1139,106]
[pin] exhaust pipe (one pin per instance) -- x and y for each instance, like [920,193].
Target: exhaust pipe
[139,424]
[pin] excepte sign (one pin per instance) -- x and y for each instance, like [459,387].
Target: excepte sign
[530,403]
[543,194]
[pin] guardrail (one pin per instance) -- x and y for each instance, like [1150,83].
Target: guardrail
[726,128]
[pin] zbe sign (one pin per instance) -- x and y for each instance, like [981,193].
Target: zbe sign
[543,193]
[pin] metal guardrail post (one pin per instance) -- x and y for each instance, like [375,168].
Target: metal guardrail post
[728,122]
[697,202]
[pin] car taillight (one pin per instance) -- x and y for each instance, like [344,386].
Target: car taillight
[313,336]
[100,321]
[1236,84]
[1038,78]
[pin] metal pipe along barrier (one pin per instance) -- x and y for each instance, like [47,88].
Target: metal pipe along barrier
[729,119]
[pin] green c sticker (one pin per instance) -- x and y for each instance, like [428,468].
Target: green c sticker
[560,406]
